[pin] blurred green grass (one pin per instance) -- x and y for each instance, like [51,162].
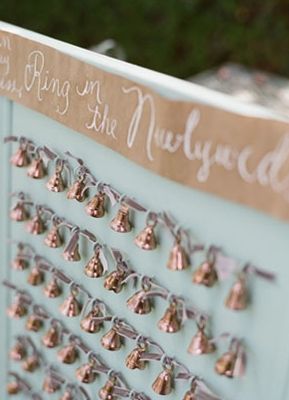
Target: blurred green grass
[178,37]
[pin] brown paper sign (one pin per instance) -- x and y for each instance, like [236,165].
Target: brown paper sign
[243,159]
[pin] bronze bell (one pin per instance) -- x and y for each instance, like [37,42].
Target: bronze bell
[71,251]
[35,277]
[71,306]
[106,392]
[68,395]
[120,222]
[146,239]
[31,363]
[94,268]
[18,351]
[36,226]
[68,354]
[225,365]
[37,169]
[139,303]
[53,238]
[77,190]
[170,322]
[238,297]
[55,183]
[13,388]
[88,324]
[178,258]
[111,341]
[19,263]
[20,158]
[206,274]
[34,323]
[85,373]
[191,393]
[52,290]
[200,343]
[17,310]
[50,385]
[114,280]
[163,384]
[133,360]
[95,207]
[18,213]
[51,338]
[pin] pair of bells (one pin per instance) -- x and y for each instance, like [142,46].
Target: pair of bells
[37,169]
[112,340]
[237,299]
[89,323]
[51,384]
[68,354]
[53,238]
[13,388]
[21,157]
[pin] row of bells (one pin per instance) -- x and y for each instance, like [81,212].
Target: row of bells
[138,303]
[178,257]
[146,239]
[52,385]
[163,384]
[112,340]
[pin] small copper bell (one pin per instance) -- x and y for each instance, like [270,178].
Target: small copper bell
[36,226]
[163,384]
[85,373]
[51,338]
[17,310]
[36,277]
[191,394]
[178,258]
[88,324]
[238,297]
[71,251]
[20,158]
[53,238]
[95,207]
[114,280]
[120,222]
[68,395]
[71,306]
[200,343]
[146,239]
[94,268]
[77,190]
[170,322]
[13,388]
[206,274]
[52,290]
[226,363]
[19,263]
[55,183]
[31,363]
[139,303]
[106,392]
[18,213]
[50,385]
[68,354]
[111,341]
[37,169]
[133,360]
[33,323]
[18,351]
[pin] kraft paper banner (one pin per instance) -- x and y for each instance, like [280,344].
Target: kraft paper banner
[243,159]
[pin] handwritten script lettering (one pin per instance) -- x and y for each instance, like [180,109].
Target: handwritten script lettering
[35,76]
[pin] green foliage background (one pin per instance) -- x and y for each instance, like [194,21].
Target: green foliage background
[178,37]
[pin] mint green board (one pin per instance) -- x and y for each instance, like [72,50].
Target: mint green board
[242,232]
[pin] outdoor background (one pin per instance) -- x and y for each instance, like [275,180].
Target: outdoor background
[178,37]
